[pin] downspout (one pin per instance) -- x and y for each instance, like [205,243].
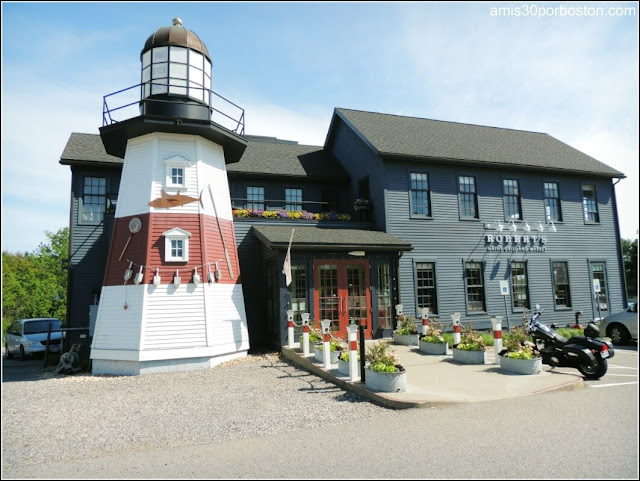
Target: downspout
[623,280]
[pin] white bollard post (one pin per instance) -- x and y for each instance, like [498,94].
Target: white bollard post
[398,313]
[497,336]
[290,328]
[425,320]
[305,334]
[354,367]
[455,318]
[326,346]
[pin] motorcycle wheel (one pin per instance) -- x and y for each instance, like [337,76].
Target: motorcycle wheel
[594,371]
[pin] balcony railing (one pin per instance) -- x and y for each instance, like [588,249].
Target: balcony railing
[128,101]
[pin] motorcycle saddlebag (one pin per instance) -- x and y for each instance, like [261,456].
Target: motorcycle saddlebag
[591,330]
[584,354]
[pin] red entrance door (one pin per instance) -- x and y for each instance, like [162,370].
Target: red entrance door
[342,293]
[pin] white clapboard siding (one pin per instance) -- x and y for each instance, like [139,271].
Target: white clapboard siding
[116,327]
[227,330]
[174,318]
[212,171]
[137,174]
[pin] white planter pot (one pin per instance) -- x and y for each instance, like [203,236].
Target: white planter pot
[433,347]
[521,366]
[386,381]
[470,357]
[406,340]
[343,367]
[319,355]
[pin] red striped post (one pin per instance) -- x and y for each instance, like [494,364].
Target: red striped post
[326,347]
[455,319]
[497,336]
[305,334]
[352,333]
[425,320]
[290,328]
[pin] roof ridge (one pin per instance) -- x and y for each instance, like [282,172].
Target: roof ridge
[443,121]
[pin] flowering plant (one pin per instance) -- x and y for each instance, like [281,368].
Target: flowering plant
[344,355]
[381,358]
[406,325]
[434,333]
[470,340]
[517,345]
[289,214]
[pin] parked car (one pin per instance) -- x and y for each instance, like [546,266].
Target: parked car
[29,336]
[621,327]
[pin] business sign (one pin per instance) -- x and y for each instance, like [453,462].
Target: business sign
[515,243]
[504,288]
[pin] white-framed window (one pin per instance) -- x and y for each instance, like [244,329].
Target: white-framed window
[177,172]
[176,245]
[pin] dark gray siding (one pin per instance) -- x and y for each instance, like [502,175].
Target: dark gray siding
[449,242]
[360,161]
[89,249]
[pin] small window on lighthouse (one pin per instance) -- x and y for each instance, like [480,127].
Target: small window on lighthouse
[177,169]
[176,245]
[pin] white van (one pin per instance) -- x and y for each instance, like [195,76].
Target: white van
[29,336]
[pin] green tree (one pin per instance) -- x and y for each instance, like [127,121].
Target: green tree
[630,257]
[35,284]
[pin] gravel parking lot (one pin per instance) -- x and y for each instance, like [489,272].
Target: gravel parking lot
[53,417]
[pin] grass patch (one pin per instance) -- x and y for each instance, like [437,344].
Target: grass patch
[487,337]
[568,332]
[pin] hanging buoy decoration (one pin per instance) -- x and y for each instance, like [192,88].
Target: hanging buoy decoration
[176,279]
[138,278]
[128,273]
[217,272]
[156,278]
[196,277]
[210,279]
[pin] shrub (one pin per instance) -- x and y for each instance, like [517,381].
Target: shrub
[381,358]
[434,333]
[406,325]
[518,345]
[470,340]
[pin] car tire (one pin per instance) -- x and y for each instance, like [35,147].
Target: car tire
[23,355]
[619,334]
[7,352]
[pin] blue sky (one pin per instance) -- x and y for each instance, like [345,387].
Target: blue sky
[290,64]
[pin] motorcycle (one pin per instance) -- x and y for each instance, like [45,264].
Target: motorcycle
[588,353]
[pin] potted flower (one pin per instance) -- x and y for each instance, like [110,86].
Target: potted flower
[520,355]
[406,332]
[335,348]
[383,372]
[343,362]
[433,342]
[314,337]
[471,348]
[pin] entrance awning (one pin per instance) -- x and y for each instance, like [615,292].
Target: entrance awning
[320,238]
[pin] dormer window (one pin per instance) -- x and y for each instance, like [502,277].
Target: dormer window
[176,245]
[177,169]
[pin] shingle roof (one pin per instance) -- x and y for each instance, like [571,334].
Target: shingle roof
[395,135]
[318,237]
[280,159]
[86,148]
[286,159]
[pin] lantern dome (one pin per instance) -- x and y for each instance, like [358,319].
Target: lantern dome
[176,74]
[175,35]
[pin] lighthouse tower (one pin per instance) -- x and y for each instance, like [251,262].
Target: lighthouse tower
[171,296]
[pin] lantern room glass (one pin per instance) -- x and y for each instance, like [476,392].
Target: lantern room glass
[177,71]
